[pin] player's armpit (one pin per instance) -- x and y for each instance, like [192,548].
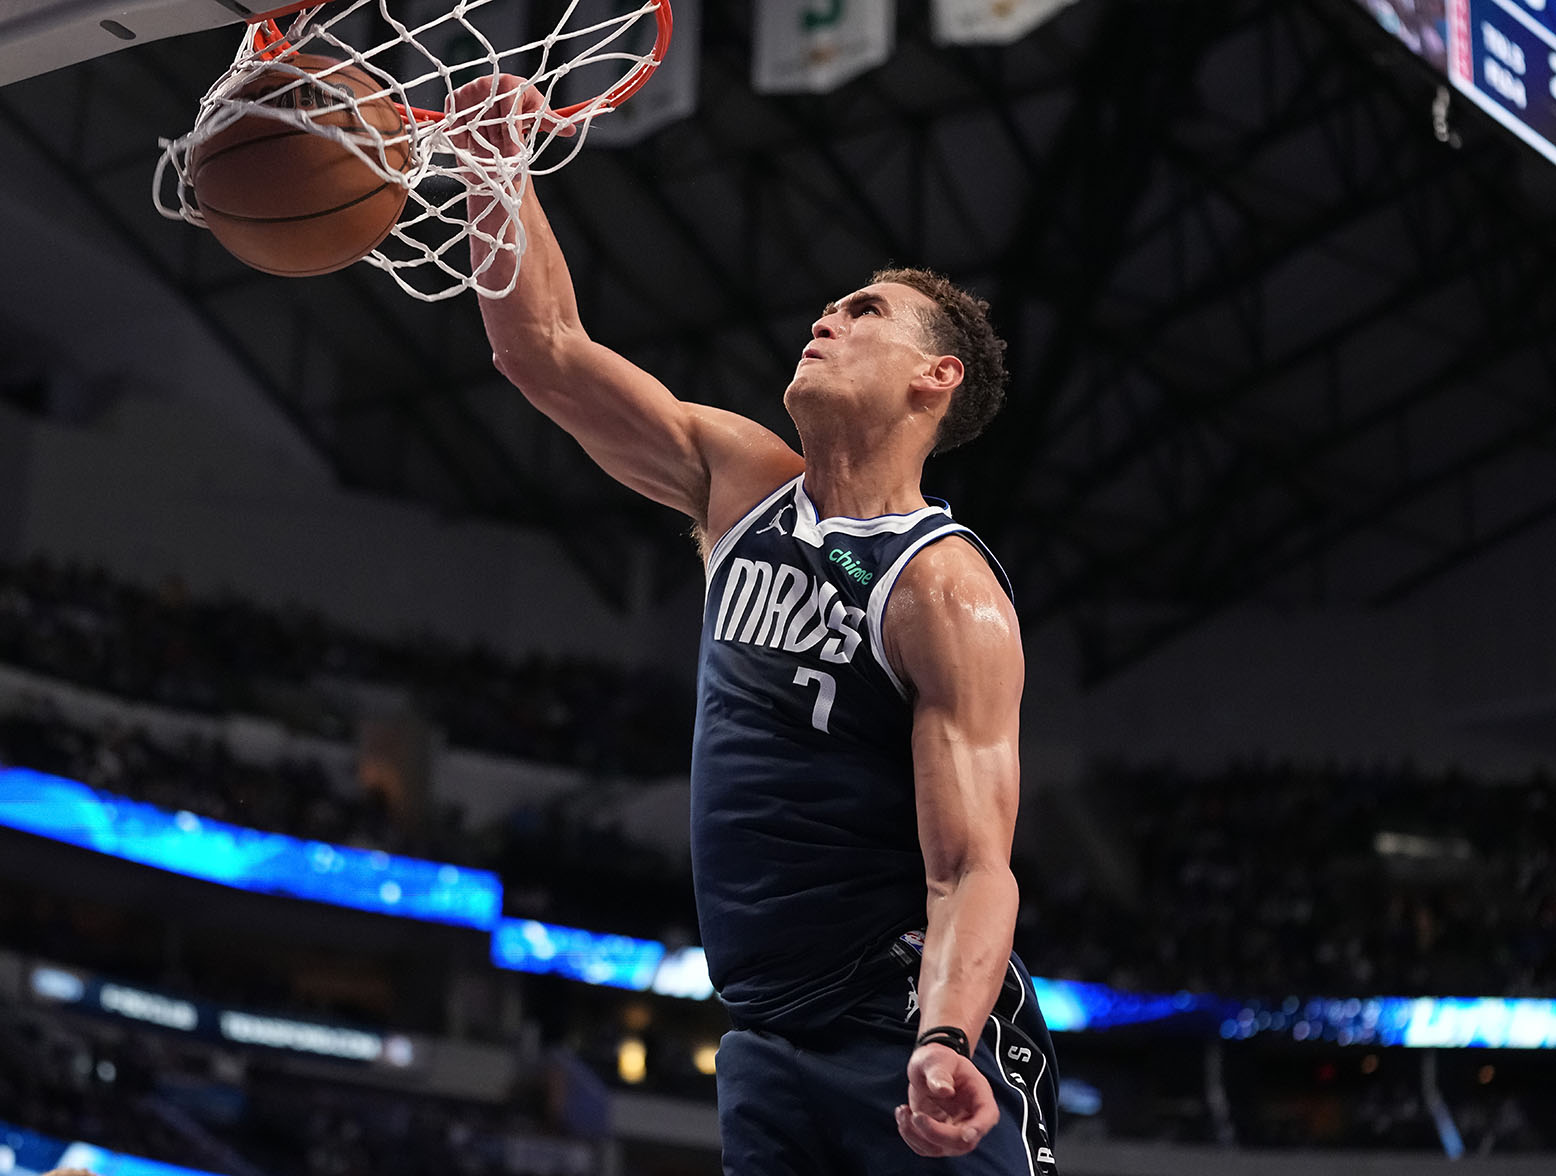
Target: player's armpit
[745,463]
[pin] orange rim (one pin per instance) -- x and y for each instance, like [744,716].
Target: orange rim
[271,44]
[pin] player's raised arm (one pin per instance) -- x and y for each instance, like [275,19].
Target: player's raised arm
[954,634]
[702,461]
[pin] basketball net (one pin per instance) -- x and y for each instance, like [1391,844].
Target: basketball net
[427,251]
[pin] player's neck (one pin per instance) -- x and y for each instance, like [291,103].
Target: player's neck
[849,486]
[861,466]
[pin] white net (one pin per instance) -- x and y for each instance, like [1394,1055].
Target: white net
[418,64]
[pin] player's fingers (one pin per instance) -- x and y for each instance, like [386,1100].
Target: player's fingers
[929,1136]
[909,1135]
[462,110]
[943,1100]
[472,94]
[971,1106]
[505,94]
[983,1119]
[939,1081]
[519,106]
[913,1137]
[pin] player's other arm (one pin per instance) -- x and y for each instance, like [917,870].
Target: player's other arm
[953,635]
[702,461]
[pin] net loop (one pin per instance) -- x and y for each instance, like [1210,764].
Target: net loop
[418,64]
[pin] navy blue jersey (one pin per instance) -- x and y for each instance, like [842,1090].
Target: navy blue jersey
[805,852]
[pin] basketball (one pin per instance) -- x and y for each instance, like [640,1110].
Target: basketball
[287,201]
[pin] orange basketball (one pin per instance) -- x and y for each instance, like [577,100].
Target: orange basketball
[290,202]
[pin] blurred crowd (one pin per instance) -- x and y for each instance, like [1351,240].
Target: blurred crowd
[163,1098]
[225,655]
[201,775]
[1274,879]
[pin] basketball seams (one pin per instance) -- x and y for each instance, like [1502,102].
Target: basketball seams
[206,158]
[302,216]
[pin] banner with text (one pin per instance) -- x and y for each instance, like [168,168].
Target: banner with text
[990,22]
[813,46]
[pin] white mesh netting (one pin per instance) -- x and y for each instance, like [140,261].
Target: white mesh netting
[594,50]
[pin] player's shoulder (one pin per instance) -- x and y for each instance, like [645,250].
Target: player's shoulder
[746,462]
[950,582]
[953,567]
[949,615]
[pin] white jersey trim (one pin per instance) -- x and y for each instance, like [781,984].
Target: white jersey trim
[732,536]
[1028,1097]
[808,528]
[875,611]
[1026,1101]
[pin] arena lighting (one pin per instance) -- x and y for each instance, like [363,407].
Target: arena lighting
[615,961]
[1425,1022]
[632,1060]
[246,859]
[72,812]
[684,973]
[546,949]
[57,985]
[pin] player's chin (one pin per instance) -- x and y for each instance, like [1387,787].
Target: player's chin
[807,398]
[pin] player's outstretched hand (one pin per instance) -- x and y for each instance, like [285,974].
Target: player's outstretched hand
[491,115]
[950,1106]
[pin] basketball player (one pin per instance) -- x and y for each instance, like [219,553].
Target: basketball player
[854,767]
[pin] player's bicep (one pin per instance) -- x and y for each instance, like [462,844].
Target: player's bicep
[955,638]
[637,431]
[624,418]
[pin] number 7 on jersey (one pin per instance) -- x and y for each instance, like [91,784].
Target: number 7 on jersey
[826,691]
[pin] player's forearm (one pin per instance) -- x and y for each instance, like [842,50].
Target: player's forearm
[966,948]
[532,328]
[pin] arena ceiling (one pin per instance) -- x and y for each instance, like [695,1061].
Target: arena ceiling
[1277,331]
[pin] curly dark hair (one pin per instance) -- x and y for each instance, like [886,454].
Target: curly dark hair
[959,326]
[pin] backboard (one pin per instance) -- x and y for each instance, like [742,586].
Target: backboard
[37,36]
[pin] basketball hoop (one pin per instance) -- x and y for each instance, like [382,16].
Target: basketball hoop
[419,66]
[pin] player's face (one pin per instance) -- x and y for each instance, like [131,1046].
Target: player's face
[864,351]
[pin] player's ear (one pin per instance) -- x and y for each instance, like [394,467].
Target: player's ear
[937,380]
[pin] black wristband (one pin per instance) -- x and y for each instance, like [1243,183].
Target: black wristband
[946,1035]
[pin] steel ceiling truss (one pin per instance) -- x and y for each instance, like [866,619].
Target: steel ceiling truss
[1271,336]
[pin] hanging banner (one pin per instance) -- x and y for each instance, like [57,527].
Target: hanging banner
[990,22]
[816,45]
[669,96]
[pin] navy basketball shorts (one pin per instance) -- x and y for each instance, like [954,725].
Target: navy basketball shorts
[822,1104]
